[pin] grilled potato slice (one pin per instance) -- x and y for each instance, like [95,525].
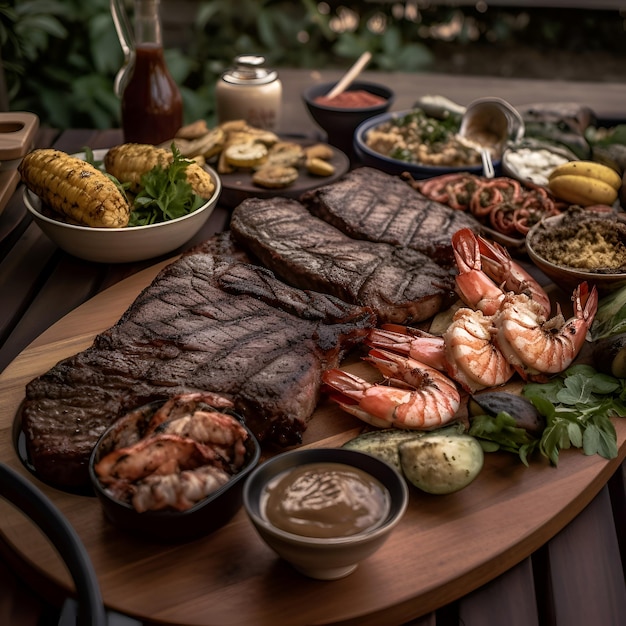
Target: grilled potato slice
[275,176]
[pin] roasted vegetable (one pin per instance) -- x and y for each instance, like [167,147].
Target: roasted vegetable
[441,464]
[128,162]
[75,189]
[523,411]
[384,444]
[609,355]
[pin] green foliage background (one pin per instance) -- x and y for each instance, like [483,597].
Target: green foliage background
[60,57]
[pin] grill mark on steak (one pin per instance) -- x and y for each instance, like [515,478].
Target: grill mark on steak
[204,324]
[400,284]
[373,205]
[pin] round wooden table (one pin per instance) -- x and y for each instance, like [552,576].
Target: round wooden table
[445,546]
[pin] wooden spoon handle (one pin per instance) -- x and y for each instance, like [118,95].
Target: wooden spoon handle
[350,75]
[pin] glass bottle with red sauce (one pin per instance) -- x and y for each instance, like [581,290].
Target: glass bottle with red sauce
[152,107]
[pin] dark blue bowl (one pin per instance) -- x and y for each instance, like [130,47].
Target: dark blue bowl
[366,156]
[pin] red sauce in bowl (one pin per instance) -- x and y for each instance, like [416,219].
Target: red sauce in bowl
[357,99]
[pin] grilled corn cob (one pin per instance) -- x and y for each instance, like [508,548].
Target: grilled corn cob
[74,188]
[128,162]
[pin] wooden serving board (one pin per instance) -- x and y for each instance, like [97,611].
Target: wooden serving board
[445,546]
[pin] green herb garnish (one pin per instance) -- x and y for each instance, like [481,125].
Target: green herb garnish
[577,405]
[502,433]
[165,194]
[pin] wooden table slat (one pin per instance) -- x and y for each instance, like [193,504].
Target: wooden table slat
[588,544]
[515,591]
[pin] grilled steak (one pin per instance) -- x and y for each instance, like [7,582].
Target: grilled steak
[205,323]
[370,204]
[400,284]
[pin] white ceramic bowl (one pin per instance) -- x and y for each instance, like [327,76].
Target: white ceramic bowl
[324,558]
[122,245]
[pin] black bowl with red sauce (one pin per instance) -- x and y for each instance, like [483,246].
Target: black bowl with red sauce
[340,119]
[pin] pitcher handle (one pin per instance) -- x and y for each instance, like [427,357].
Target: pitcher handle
[127,42]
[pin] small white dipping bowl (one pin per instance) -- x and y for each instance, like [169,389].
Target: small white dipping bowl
[324,558]
[122,245]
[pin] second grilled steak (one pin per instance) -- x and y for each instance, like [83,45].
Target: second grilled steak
[370,204]
[400,284]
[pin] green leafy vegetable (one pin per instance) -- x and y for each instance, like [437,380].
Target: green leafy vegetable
[577,405]
[165,194]
[610,318]
[502,433]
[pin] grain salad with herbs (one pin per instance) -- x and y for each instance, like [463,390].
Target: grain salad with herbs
[418,138]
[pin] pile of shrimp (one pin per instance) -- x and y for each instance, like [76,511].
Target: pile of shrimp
[502,203]
[188,450]
[502,327]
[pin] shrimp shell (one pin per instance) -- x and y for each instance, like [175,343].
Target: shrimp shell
[497,263]
[473,359]
[415,395]
[535,345]
[412,342]
[161,454]
[473,285]
[177,491]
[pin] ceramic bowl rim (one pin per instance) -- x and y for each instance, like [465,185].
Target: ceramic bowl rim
[396,512]
[590,276]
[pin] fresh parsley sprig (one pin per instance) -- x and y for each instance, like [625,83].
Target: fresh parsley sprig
[165,194]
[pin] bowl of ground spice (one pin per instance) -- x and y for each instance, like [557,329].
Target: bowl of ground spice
[581,245]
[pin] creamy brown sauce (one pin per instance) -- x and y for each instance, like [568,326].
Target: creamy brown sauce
[325,500]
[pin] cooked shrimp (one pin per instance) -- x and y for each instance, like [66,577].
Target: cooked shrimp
[534,345]
[416,396]
[498,265]
[473,285]
[178,491]
[472,358]
[159,454]
[412,342]
[186,403]
[221,431]
[466,352]
[487,272]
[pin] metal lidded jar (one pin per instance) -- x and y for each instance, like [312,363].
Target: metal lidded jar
[251,92]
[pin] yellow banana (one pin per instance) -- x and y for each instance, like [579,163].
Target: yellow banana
[582,190]
[589,169]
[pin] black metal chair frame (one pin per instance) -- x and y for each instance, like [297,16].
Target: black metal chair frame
[36,505]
